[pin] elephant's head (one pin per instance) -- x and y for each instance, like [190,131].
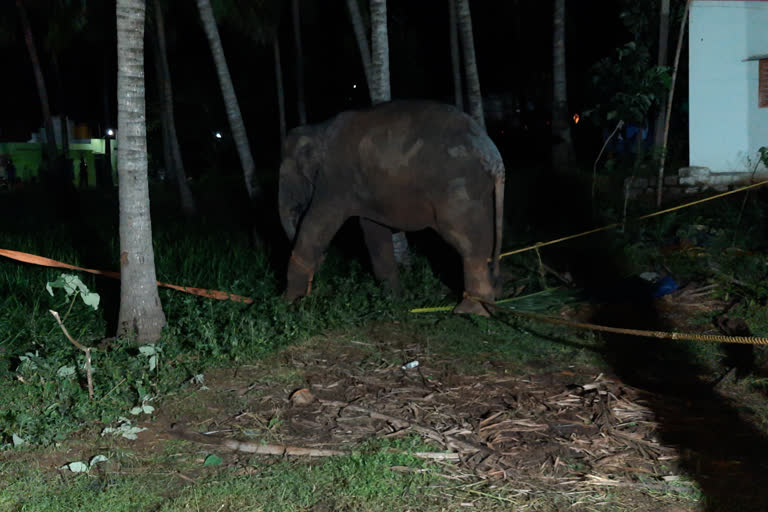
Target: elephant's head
[298,172]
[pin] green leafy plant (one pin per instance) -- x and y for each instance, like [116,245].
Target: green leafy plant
[84,467]
[74,287]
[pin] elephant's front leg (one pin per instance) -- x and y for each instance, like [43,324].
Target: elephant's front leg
[378,239]
[315,233]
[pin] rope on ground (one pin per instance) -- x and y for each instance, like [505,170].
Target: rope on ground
[715,338]
[502,301]
[47,262]
[643,217]
[493,309]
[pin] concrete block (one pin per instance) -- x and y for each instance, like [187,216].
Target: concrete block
[694,172]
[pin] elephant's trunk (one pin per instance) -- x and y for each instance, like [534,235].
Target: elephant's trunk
[294,195]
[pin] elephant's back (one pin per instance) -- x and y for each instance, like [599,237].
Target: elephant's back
[402,134]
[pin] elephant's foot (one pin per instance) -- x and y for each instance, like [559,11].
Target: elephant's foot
[471,307]
[299,278]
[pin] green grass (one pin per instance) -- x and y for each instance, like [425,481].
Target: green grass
[44,407]
[215,253]
[377,475]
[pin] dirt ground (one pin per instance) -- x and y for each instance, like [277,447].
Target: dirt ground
[576,431]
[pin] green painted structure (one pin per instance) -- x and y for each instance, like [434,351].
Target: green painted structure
[27,157]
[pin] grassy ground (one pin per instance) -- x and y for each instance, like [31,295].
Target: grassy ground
[212,348]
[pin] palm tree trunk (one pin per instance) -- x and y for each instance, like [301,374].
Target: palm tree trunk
[561,130]
[106,178]
[458,89]
[42,91]
[279,86]
[670,97]
[188,206]
[233,108]
[168,174]
[474,95]
[300,105]
[141,314]
[381,91]
[62,107]
[662,61]
[362,40]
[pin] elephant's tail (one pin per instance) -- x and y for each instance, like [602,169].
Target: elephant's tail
[498,194]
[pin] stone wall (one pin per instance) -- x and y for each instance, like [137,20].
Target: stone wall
[693,180]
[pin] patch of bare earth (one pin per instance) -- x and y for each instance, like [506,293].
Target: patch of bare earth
[575,431]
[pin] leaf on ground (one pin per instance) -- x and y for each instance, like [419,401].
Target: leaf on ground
[76,467]
[212,460]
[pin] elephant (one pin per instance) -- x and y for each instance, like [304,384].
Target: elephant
[406,165]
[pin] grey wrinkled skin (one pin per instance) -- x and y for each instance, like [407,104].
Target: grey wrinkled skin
[407,165]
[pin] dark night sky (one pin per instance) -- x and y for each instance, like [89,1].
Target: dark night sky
[419,59]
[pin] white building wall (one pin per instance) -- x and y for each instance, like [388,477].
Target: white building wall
[726,125]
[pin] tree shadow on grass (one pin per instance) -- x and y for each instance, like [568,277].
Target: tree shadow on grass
[719,447]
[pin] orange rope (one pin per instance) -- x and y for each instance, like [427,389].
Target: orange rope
[47,262]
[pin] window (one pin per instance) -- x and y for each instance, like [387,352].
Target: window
[762,91]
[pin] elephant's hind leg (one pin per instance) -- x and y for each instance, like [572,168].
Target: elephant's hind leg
[471,236]
[378,239]
[478,291]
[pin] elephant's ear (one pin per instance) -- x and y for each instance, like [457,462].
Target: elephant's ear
[294,194]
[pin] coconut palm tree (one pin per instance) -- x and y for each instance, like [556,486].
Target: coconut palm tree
[362,40]
[662,61]
[380,91]
[42,90]
[171,150]
[279,86]
[233,108]
[562,151]
[259,20]
[300,105]
[66,19]
[458,89]
[141,314]
[474,95]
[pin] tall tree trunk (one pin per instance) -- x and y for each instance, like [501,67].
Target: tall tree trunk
[362,40]
[42,91]
[458,89]
[233,108]
[381,91]
[188,206]
[658,136]
[670,97]
[141,314]
[474,95]
[106,179]
[561,128]
[300,105]
[63,119]
[520,63]
[168,176]
[279,86]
